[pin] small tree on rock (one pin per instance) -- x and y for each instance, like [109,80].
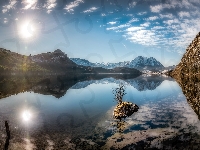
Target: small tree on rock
[119,93]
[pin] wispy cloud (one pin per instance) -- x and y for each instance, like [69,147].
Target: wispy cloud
[132,4]
[112,22]
[50,5]
[133,20]
[174,4]
[118,27]
[11,5]
[171,21]
[92,9]
[183,14]
[70,7]
[131,29]
[146,24]
[30,4]
[152,18]
[142,13]
[142,36]
[168,15]
[156,8]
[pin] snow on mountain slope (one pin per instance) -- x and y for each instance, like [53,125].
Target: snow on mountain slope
[139,62]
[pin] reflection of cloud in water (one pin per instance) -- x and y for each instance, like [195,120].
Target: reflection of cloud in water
[164,119]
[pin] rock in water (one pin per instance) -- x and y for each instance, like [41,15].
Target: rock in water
[124,109]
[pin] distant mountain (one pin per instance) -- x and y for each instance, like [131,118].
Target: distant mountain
[83,62]
[140,63]
[56,61]
[52,62]
[145,63]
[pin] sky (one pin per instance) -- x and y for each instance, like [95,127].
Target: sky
[101,30]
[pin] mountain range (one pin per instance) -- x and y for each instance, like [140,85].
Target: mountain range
[140,63]
[52,62]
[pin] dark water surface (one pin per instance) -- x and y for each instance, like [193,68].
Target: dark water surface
[61,113]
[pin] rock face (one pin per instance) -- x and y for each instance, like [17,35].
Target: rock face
[124,109]
[187,74]
[190,62]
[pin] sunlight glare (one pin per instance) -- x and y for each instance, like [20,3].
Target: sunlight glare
[27,30]
[26,115]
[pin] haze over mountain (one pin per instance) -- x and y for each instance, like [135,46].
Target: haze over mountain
[140,63]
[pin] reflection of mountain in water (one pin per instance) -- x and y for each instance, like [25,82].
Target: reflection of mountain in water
[140,83]
[43,84]
[145,83]
[58,85]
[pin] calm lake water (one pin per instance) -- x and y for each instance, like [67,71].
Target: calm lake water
[81,118]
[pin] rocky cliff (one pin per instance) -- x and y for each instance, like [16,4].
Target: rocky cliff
[187,74]
[190,62]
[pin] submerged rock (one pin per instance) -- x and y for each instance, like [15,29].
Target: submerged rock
[124,109]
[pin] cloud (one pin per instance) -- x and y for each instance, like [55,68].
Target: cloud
[183,14]
[156,8]
[152,18]
[174,4]
[70,7]
[142,36]
[146,24]
[92,9]
[132,4]
[172,21]
[30,4]
[112,22]
[133,20]
[157,28]
[142,13]
[118,27]
[166,16]
[11,5]
[50,5]
[131,29]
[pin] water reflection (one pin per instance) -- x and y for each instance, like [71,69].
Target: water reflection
[191,89]
[58,85]
[26,115]
[82,118]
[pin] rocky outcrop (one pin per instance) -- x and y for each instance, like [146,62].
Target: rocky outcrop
[124,109]
[187,74]
[190,62]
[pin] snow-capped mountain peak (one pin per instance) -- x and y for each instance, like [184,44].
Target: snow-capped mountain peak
[139,62]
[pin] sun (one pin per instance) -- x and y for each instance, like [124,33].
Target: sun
[27,30]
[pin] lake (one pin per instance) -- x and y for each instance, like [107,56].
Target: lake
[59,113]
